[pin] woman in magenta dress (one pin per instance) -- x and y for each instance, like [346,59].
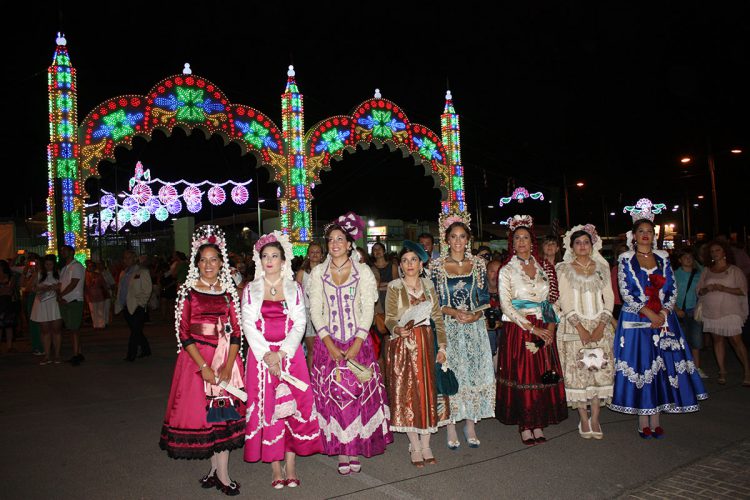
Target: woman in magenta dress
[202,419]
[353,415]
[282,421]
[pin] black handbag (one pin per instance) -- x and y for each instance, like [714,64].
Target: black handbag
[445,379]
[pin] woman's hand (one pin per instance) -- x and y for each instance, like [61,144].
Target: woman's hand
[401,331]
[353,350]
[680,312]
[225,375]
[208,375]
[275,370]
[657,320]
[271,358]
[334,352]
[543,334]
[598,333]
[440,358]
[584,335]
[465,317]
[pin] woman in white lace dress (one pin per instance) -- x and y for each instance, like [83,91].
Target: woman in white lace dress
[585,335]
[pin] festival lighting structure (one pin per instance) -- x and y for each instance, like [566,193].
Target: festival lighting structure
[294,156]
[65,208]
[520,194]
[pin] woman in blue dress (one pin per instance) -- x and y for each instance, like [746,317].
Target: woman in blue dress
[654,370]
[461,282]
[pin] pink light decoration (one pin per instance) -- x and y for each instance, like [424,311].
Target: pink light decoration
[216,195]
[240,195]
[141,193]
[192,195]
[167,194]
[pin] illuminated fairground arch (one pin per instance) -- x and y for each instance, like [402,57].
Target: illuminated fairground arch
[188,101]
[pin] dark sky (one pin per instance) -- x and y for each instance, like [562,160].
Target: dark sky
[612,95]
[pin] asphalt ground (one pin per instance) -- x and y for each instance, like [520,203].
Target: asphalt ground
[92,431]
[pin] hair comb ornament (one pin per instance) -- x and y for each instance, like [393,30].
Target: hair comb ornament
[589,228]
[281,239]
[265,240]
[519,221]
[351,223]
[644,209]
[208,235]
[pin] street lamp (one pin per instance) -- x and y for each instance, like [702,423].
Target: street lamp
[579,184]
[260,228]
[712,172]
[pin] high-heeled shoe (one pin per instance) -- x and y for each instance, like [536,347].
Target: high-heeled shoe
[230,490]
[208,481]
[355,466]
[428,461]
[472,441]
[413,451]
[658,432]
[596,434]
[584,434]
[528,442]
[344,468]
[722,379]
[290,482]
[453,445]
[645,433]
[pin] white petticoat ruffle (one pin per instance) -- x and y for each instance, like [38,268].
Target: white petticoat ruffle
[727,326]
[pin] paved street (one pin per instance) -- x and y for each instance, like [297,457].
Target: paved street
[92,432]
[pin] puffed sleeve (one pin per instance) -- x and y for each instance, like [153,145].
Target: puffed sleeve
[257,344]
[236,336]
[483,290]
[316,294]
[392,313]
[668,293]
[437,316]
[627,281]
[506,298]
[368,295]
[186,338]
[296,308]
[566,302]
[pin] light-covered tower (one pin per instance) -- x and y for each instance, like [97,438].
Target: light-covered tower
[295,197]
[452,142]
[65,208]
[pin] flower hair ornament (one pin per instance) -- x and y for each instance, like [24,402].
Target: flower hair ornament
[283,240]
[643,209]
[517,221]
[445,220]
[596,244]
[351,223]
[206,235]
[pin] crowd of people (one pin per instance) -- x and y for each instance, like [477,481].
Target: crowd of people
[464,337]
[334,352]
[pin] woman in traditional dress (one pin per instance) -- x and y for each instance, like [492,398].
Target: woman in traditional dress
[411,357]
[461,282]
[353,414]
[314,257]
[586,334]
[203,420]
[723,296]
[530,390]
[282,421]
[654,370]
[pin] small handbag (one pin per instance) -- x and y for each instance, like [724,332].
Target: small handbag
[446,381]
[285,406]
[698,312]
[363,373]
[220,409]
[592,358]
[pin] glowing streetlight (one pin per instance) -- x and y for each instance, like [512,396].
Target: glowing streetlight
[580,184]
[735,151]
[686,159]
[700,196]
[371,223]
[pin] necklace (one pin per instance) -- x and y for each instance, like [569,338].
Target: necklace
[526,262]
[338,268]
[586,267]
[273,285]
[211,286]
[645,255]
[414,291]
[459,262]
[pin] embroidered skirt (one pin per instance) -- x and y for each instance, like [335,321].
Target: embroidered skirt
[523,398]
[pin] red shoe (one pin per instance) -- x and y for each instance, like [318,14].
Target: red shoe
[292,483]
[645,433]
[658,433]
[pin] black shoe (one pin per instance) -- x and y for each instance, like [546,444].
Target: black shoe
[144,354]
[231,489]
[208,481]
[128,358]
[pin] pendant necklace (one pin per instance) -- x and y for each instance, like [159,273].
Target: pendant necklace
[526,262]
[459,262]
[413,291]
[338,268]
[586,267]
[645,255]
[211,287]
[273,285]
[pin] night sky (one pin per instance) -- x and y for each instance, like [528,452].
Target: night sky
[610,95]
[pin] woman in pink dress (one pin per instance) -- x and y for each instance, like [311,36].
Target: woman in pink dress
[282,421]
[203,420]
[722,292]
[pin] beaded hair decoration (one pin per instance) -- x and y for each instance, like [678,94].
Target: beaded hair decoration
[444,222]
[283,240]
[203,235]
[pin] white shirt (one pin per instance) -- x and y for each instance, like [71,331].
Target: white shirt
[68,274]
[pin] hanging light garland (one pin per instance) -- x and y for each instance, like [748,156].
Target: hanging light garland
[520,194]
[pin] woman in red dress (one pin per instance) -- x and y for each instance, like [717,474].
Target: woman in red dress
[203,420]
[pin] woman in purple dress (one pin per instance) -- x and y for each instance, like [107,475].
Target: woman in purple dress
[353,413]
[282,422]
